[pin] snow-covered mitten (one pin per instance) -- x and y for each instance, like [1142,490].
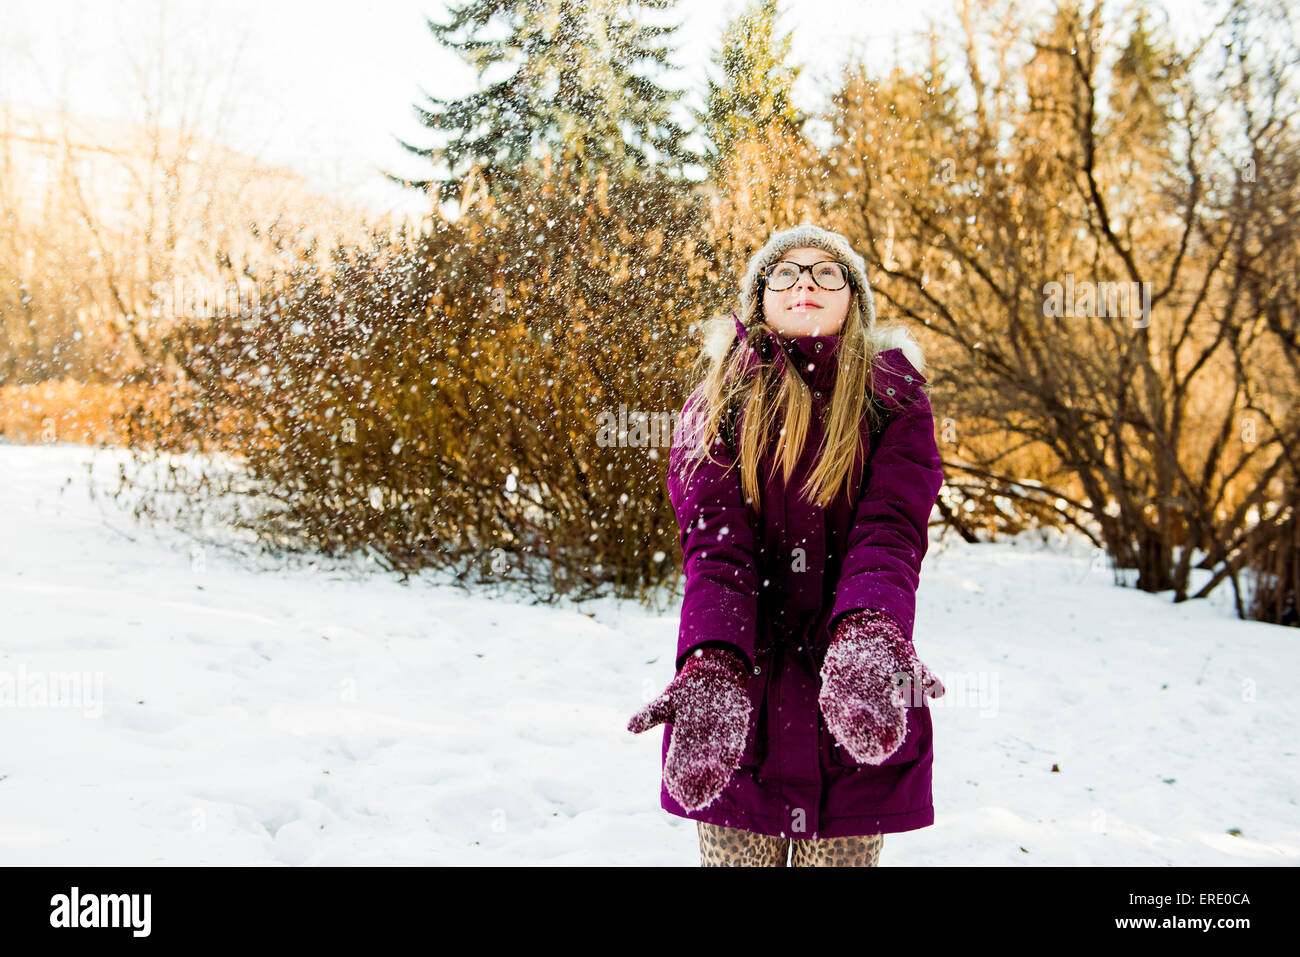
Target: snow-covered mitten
[869,666]
[707,703]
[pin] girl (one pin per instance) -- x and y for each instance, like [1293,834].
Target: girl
[797,713]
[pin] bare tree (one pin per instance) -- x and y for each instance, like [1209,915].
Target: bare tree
[1097,245]
[141,214]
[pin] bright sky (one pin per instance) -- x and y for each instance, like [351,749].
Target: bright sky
[325,86]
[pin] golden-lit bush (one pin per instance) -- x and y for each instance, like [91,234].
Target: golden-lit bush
[438,399]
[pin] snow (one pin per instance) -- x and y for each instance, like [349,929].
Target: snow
[248,712]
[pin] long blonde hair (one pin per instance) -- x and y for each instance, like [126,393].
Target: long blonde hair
[774,397]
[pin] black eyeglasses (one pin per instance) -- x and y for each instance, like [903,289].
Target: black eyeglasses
[830,275]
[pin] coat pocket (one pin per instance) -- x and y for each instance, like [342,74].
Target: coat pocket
[756,735]
[907,752]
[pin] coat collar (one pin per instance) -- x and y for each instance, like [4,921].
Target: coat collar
[812,356]
[814,359]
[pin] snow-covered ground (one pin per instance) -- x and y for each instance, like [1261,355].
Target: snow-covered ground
[237,714]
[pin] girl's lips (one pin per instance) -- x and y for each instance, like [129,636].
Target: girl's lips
[805,305]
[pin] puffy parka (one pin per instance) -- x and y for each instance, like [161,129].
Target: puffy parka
[771,587]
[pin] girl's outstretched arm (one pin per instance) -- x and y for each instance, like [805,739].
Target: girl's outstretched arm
[890,533]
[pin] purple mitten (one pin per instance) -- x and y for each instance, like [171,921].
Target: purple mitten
[707,703]
[868,664]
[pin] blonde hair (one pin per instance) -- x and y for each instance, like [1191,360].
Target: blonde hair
[774,398]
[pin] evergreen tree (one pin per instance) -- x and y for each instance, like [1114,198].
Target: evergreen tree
[754,99]
[574,92]
[763,170]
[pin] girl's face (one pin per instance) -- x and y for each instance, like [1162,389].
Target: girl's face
[806,309]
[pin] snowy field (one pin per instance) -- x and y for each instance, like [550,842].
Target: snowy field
[332,716]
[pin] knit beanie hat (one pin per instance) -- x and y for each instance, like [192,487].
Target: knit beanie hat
[806,234]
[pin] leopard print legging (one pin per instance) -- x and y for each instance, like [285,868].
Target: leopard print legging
[734,847]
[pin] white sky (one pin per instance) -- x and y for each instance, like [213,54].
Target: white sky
[324,86]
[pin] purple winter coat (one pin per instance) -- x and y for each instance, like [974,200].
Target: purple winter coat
[748,586]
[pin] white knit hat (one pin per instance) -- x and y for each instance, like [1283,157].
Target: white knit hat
[806,234]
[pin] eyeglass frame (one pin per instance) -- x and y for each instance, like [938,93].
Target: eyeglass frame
[848,274]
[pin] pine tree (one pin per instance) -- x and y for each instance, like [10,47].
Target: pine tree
[574,93]
[754,98]
[762,167]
